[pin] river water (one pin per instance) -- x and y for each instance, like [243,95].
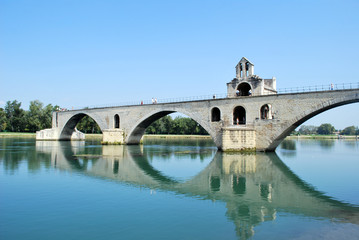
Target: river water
[178,189]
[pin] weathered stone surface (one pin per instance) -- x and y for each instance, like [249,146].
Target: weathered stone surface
[235,138]
[53,134]
[113,136]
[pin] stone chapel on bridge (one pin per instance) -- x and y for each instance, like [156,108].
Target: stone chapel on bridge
[247,84]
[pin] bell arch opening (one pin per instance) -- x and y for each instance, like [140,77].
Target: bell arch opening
[80,122]
[239,116]
[244,89]
[215,114]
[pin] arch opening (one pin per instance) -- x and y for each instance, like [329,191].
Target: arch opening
[160,123]
[289,129]
[81,122]
[176,125]
[241,70]
[239,115]
[88,125]
[216,114]
[247,69]
[244,89]
[265,112]
[117,121]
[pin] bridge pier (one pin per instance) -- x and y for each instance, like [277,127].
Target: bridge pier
[113,136]
[238,139]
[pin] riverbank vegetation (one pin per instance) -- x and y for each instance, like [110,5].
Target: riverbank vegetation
[325,129]
[15,119]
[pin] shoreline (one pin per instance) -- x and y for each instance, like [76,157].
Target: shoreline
[171,136]
[323,137]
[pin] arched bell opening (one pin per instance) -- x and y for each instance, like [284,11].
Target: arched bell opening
[239,116]
[244,89]
[215,114]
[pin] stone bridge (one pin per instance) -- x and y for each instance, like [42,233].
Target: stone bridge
[255,187]
[251,117]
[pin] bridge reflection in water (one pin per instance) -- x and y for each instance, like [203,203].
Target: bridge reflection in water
[254,186]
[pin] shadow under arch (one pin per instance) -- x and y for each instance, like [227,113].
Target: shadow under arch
[70,125]
[136,133]
[301,119]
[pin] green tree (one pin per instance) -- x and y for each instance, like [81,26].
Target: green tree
[325,129]
[39,117]
[33,116]
[3,120]
[46,116]
[352,130]
[179,125]
[306,130]
[88,125]
[15,116]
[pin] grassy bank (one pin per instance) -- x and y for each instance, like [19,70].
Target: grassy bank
[16,134]
[323,137]
[99,136]
[176,136]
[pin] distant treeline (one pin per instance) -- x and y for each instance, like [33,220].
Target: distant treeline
[326,129]
[179,125]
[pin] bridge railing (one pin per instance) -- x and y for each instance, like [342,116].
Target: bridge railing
[315,88]
[157,101]
[323,87]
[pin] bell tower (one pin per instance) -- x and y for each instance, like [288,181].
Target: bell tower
[247,84]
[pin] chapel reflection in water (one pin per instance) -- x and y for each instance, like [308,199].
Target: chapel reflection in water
[255,187]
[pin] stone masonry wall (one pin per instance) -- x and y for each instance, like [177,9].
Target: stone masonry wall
[238,139]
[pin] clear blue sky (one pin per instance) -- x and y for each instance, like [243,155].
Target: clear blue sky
[86,53]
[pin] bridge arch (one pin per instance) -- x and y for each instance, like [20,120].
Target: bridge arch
[137,131]
[303,116]
[69,127]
